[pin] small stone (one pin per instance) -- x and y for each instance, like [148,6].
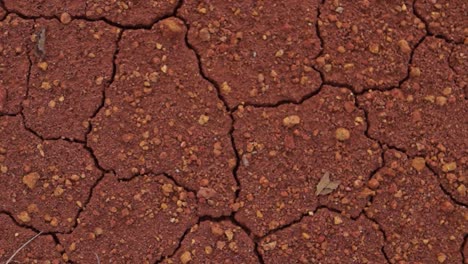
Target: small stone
[342,134]
[167,189]
[418,163]
[441,100]
[451,166]
[172,24]
[31,179]
[98,231]
[206,193]
[447,207]
[341,49]
[203,119]
[291,121]
[208,250]
[24,216]
[186,257]
[46,85]
[279,53]
[373,184]
[229,234]
[447,91]
[216,230]
[204,34]
[52,104]
[461,190]
[99,80]
[43,65]
[415,72]
[65,18]
[441,257]
[404,46]
[54,221]
[269,246]
[225,88]
[374,48]
[337,220]
[58,191]
[348,66]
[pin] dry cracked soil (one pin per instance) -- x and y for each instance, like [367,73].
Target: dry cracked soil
[222,131]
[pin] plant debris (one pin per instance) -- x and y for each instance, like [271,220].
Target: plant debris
[325,185]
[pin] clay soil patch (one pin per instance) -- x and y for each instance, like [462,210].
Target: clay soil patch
[233,131]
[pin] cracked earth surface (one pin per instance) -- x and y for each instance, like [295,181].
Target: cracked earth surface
[198,131]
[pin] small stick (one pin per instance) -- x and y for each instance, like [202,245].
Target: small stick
[24,245]
[97,257]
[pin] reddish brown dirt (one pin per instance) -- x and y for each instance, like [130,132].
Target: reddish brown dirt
[2,13]
[40,250]
[126,13]
[428,233]
[44,183]
[367,44]
[14,63]
[65,93]
[140,220]
[465,250]
[459,63]
[218,242]
[130,13]
[264,64]
[447,18]
[415,117]
[45,8]
[325,237]
[210,131]
[142,129]
[281,164]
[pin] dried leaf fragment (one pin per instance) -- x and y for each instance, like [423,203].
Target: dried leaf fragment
[325,185]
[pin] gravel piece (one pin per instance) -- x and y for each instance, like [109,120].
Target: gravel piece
[286,164]
[262,51]
[44,183]
[421,223]
[369,44]
[14,63]
[325,237]
[12,237]
[136,221]
[218,242]
[445,17]
[151,118]
[66,93]
[427,117]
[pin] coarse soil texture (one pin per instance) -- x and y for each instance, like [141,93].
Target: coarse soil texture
[234,131]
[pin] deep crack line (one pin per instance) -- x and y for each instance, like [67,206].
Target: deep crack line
[101,19]
[179,244]
[220,97]
[428,29]
[103,101]
[384,234]
[462,248]
[384,146]
[384,88]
